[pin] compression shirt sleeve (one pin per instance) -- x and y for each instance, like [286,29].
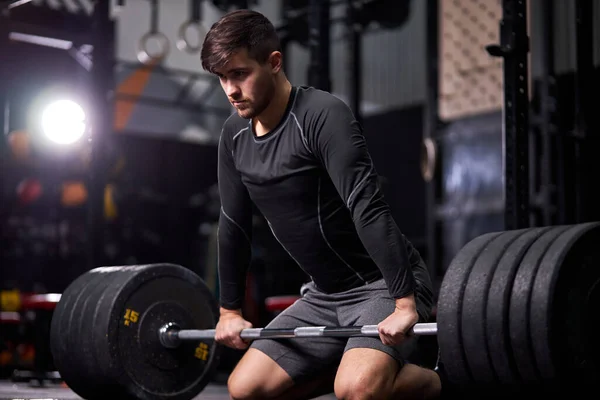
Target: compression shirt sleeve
[235,229]
[341,147]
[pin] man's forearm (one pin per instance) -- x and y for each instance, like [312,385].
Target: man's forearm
[384,242]
[234,259]
[235,228]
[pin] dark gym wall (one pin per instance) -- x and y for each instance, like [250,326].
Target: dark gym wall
[394,140]
[160,191]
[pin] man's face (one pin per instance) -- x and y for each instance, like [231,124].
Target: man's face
[248,85]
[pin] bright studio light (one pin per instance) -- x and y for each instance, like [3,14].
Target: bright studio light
[63,122]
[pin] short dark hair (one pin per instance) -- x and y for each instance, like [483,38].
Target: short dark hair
[237,30]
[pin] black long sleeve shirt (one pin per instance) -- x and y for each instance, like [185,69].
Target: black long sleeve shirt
[313,180]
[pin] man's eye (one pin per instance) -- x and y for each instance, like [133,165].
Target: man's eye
[239,74]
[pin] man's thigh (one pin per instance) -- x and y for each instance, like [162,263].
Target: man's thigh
[258,376]
[369,305]
[304,358]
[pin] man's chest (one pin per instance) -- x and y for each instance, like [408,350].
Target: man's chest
[277,160]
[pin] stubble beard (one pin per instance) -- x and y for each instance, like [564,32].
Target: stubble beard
[255,108]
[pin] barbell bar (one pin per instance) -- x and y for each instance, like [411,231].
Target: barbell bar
[171,335]
[514,308]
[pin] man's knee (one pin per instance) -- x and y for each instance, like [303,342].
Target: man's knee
[363,386]
[257,376]
[242,387]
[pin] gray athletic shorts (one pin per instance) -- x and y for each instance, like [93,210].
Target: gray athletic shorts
[304,358]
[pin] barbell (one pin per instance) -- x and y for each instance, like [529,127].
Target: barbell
[171,335]
[515,308]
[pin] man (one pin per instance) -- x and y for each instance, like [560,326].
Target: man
[299,155]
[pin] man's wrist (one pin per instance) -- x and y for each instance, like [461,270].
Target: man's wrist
[226,311]
[406,303]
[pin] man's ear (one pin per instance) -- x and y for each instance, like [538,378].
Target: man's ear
[275,61]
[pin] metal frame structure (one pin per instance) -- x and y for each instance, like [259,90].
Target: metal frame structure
[564,192]
[547,165]
[319,44]
[514,49]
[431,125]
[585,132]
[545,185]
[354,57]
[103,41]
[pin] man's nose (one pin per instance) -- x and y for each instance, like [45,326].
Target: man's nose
[232,90]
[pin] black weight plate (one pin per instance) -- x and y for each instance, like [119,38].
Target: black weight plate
[89,384]
[449,309]
[79,330]
[60,317]
[65,333]
[152,297]
[475,300]
[92,373]
[497,317]
[564,308]
[520,338]
[107,369]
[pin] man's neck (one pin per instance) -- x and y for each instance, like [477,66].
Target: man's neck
[271,116]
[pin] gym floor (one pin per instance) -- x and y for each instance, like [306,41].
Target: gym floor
[11,390]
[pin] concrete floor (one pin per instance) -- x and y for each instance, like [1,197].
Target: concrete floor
[11,390]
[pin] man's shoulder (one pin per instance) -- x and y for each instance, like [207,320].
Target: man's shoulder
[315,104]
[311,100]
[233,125]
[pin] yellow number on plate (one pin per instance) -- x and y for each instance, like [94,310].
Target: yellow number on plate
[10,300]
[202,351]
[130,317]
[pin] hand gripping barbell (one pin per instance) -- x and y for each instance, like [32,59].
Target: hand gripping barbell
[514,308]
[171,335]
